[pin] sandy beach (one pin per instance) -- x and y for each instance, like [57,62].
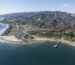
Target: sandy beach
[55,40]
[14,39]
[10,38]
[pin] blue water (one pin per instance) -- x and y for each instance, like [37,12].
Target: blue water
[2,26]
[36,54]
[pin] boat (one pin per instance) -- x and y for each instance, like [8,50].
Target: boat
[56,45]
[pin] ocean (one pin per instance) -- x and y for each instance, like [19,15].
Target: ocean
[2,26]
[42,53]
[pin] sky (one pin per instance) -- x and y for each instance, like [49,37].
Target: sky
[12,6]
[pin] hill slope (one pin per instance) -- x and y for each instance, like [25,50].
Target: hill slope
[43,19]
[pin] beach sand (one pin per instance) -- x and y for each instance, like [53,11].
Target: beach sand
[11,38]
[36,38]
[55,40]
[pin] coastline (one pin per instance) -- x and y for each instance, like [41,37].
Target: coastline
[13,39]
[3,31]
[10,39]
[55,40]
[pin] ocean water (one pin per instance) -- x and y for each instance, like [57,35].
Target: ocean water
[2,26]
[41,53]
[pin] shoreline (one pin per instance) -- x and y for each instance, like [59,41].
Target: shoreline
[3,31]
[13,39]
[10,39]
[55,40]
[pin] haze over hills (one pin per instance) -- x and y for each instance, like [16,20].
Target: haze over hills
[31,13]
[19,14]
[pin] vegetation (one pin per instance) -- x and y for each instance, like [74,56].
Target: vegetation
[28,37]
[62,24]
[14,30]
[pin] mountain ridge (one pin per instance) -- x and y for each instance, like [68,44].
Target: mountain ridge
[42,19]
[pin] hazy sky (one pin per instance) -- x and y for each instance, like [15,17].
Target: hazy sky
[10,6]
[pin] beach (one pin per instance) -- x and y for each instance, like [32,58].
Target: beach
[9,39]
[54,40]
[36,38]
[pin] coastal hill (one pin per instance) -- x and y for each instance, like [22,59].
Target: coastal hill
[43,19]
[48,20]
